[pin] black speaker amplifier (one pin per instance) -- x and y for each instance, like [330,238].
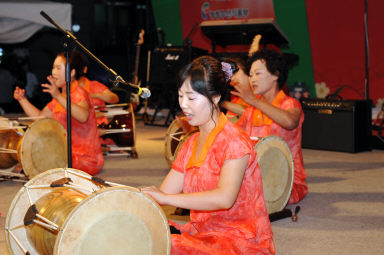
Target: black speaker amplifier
[337,125]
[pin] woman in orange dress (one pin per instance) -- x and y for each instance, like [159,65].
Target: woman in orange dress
[215,174]
[86,149]
[99,93]
[272,112]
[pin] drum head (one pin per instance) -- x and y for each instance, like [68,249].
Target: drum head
[118,220]
[30,193]
[44,147]
[277,170]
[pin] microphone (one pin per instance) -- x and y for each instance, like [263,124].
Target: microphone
[145,93]
[142,92]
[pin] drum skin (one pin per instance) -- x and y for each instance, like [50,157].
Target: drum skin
[277,170]
[43,146]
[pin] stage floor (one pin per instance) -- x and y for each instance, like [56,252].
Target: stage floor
[342,214]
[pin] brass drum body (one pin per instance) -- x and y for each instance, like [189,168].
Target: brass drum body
[87,218]
[43,146]
[277,170]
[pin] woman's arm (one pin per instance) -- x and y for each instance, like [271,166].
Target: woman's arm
[288,119]
[221,197]
[107,96]
[235,108]
[29,109]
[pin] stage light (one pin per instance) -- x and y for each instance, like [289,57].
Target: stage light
[76,28]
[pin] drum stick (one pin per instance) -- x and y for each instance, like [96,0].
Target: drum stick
[111,105]
[116,131]
[3,150]
[285,213]
[12,127]
[111,113]
[31,118]
[11,174]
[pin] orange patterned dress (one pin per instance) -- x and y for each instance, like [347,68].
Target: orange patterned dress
[256,124]
[86,149]
[93,87]
[245,227]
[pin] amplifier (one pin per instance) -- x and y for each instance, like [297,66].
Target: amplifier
[337,125]
[167,62]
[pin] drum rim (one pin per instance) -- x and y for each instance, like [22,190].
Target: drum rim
[25,156]
[168,140]
[66,225]
[279,204]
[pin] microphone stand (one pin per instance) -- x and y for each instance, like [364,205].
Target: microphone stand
[118,79]
[69,113]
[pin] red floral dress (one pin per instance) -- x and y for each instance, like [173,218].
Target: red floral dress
[256,124]
[242,229]
[86,149]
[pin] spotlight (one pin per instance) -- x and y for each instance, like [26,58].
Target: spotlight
[76,28]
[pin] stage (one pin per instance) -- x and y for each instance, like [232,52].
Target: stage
[342,214]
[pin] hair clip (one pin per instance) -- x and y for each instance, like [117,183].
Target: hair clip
[226,67]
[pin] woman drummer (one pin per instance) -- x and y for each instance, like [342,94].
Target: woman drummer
[99,93]
[86,149]
[215,174]
[272,112]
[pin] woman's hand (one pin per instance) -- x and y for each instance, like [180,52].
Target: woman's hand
[245,92]
[19,93]
[155,193]
[51,88]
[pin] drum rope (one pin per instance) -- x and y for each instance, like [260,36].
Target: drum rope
[174,136]
[94,179]
[29,195]
[17,242]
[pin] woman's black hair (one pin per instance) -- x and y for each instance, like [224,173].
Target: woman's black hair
[206,78]
[274,62]
[77,61]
